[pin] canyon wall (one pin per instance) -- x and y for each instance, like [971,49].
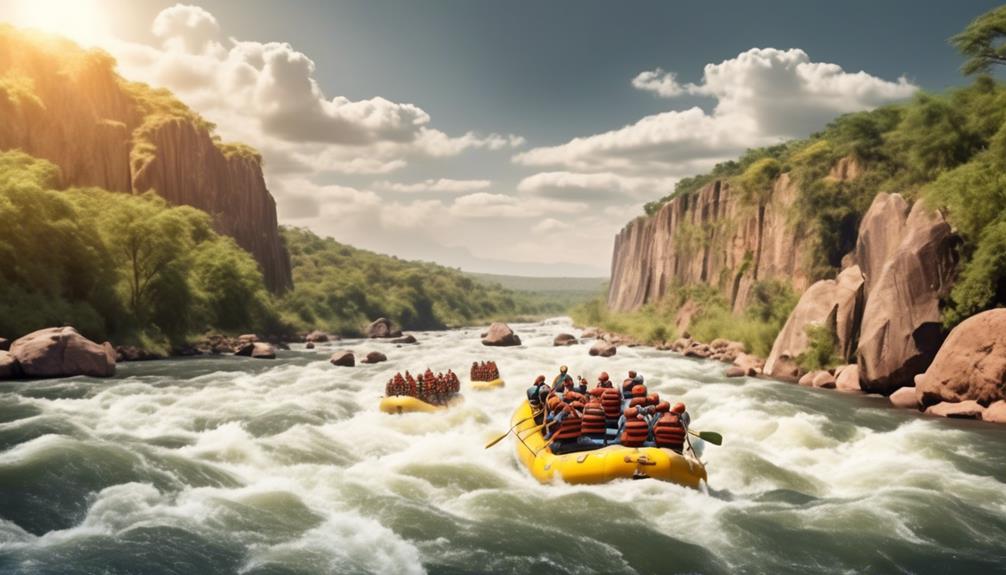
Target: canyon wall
[709,237]
[66,105]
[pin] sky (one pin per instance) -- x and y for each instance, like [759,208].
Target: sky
[509,137]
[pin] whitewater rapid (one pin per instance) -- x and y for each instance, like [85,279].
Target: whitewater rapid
[234,465]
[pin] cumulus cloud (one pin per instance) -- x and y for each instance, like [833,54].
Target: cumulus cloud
[440,185]
[266,94]
[762,96]
[600,186]
[487,205]
[659,82]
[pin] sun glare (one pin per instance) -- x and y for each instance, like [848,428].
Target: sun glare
[79,20]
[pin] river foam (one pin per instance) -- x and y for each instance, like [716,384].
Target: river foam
[234,465]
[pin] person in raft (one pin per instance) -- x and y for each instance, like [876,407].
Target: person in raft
[576,421]
[561,380]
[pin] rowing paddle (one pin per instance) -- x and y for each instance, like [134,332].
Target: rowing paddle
[500,438]
[709,436]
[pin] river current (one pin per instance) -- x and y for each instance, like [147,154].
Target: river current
[233,465]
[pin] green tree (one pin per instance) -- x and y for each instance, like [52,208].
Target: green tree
[982,42]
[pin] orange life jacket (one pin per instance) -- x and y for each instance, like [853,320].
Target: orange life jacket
[611,402]
[570,426]
[669,432]
[593,419]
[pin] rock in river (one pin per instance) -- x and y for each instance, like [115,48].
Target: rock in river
[343,358]
[500,334]
[62,352]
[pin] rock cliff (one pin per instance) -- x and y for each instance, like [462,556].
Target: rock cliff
[67,105]
[709,237]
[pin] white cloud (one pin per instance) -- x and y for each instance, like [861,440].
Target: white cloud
[486,205]
[763,96]
[600,186]
[659,82]
[440,185]
[550,226]
[266,94]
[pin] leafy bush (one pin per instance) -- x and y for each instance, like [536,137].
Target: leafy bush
[820,353]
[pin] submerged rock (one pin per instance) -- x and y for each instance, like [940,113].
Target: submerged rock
[62,352]
[734,371]
[564,339]
[374,357]
[969,409]
[500,334]
[316,336]
[309,345]
[343,358]
[262,350]
[602,348]
[996,412]
[751,364]
[971,364]
[407,338]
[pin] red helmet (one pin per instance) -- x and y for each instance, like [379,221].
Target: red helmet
[678,408]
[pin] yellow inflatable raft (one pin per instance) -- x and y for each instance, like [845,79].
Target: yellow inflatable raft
[603,464]
[409,404]
[487,385]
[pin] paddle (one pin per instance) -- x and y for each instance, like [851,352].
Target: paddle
[500,438]
[708,436]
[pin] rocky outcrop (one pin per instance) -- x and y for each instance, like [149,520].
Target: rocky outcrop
[971,364]
[500,334]
[709,237]
[62,352]
[901,329]
[835,305]
[564,339]
[382,327]
[102,131]
[880,233]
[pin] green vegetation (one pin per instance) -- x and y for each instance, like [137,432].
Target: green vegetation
[341,288]
[117,266]
[820,353]
[756,328]
[982,42]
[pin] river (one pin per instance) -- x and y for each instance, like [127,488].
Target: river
[234,465]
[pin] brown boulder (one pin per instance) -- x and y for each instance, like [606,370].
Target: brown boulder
[247,338]
[309,345]
[133,353]
[699,350]
[262,350]
[971,363]
[835,305]
[61,352]
[9,368]
[381,328]
[751,364]
[904,398]
[602,348]
[996,412]
[375,357]
[316,336]
[824,380]
[734,371]
[564,339]
[901,322]
[590,333]
[880,234]
[848,379]
[408,338]
[343,358]
[500,334]
[807,379]
[962,410]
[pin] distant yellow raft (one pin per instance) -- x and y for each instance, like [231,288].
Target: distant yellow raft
[487,385]
[603,464]
[409,404]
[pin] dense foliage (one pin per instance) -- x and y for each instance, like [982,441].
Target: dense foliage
[341,288]
[116,265]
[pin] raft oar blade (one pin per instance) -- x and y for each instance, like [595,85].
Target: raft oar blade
[709,437]
[497,440]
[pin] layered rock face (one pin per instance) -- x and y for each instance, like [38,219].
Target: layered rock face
[712,238]
[902,329]
[68,106]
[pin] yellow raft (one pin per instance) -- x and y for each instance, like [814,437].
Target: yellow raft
[487,385]
[603,464]
[409,404]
